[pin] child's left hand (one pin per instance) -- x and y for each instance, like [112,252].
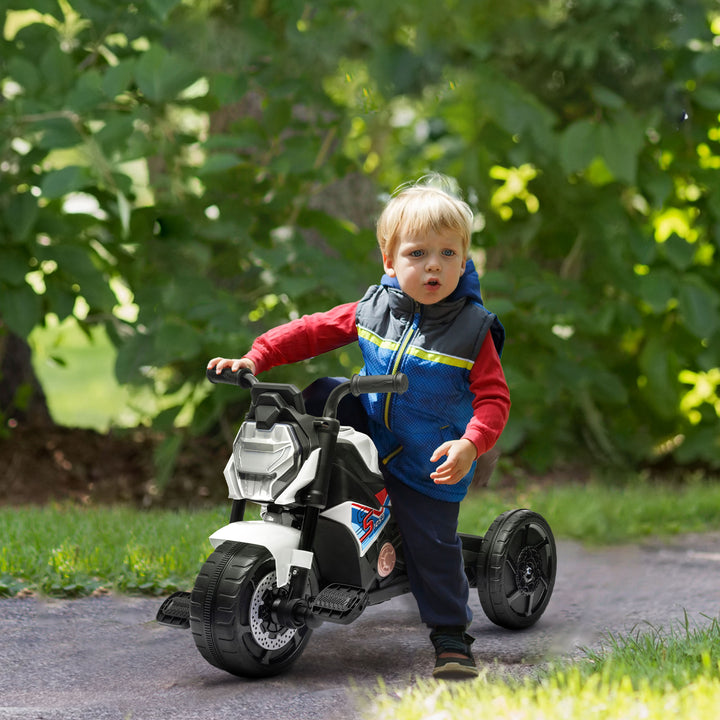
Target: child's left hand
[461,454]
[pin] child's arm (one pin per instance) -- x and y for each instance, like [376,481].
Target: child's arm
[491,407]
[297,340]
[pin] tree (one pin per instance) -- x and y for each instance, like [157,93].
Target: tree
[178,172]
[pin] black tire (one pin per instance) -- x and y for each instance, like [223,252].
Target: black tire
[229,616]
[516,569]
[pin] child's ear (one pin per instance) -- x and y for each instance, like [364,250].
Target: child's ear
[388,265]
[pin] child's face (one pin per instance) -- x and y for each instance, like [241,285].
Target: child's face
[427,267]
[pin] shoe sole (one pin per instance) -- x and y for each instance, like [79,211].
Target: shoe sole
[455,671]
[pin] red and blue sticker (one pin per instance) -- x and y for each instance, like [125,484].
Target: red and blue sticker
[368,522]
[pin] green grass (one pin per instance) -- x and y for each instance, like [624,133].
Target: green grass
[654,675]
[658,657]
[602,513]
[72,550]
[65,550]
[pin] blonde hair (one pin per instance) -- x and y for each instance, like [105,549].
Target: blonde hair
[427,205]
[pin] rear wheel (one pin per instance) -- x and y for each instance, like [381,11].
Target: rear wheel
[230,613]
[516,569]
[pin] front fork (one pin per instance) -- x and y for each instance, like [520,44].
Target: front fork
[292,609]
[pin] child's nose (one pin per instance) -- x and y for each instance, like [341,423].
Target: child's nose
[433,262]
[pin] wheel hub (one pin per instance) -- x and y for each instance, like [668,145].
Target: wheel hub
[529,571]
[267,633]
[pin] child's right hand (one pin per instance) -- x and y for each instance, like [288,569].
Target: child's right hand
[234,364]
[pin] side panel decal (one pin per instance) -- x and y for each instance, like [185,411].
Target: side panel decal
[364,522]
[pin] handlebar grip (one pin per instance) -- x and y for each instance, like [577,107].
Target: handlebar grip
[360,384]
[243,377]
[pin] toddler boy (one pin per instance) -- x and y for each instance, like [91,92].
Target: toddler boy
[425,319]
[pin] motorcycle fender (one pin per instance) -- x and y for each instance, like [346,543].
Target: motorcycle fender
[281,541]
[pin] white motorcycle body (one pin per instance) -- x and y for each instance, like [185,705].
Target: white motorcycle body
[266,451]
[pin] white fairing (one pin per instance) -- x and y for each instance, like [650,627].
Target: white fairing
[364,445]
[280,540]
[303,479]
[306,475]
[287,496]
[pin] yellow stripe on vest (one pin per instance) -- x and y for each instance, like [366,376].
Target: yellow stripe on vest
[376,339]
[436,357]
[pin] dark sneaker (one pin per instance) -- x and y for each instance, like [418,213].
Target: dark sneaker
[453,658]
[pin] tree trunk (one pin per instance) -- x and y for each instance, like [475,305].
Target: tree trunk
[22,399]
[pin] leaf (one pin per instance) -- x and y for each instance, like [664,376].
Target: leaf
[59,297]
[13,265]
[75,263]
[702,444]
[134,354]
[678,251]
[162,8]
[87,93]
[58,133]
[165,421]
[219,162]
[115,133]
[298,157]
[657,289]
[20,214]
[162,75]
[606,97]
[620,146]
[176,341]
[24,73]
[707,97]
[20,309]
[57,69]
[58,183]
[117,79]
[698,304]
[228,88]
[659,186]
[579,144]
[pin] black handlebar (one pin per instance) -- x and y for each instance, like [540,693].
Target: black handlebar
[357,385]
[243,377]
[361,384]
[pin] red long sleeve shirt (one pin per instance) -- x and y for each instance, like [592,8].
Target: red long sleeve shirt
[315,334]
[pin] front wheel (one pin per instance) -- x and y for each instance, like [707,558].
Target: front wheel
[516,569]
[230,613]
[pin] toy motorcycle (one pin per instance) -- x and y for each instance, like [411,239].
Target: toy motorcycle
[327,545]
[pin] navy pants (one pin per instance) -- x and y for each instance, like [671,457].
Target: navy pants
[431,546]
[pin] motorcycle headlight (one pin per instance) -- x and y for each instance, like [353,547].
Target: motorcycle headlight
[266,461]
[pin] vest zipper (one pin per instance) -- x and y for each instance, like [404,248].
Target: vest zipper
[408,335]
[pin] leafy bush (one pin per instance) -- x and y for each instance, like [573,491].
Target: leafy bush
[173,171]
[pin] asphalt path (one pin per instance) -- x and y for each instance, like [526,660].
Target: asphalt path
[106,657]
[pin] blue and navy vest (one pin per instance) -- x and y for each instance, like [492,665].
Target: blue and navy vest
[435,346]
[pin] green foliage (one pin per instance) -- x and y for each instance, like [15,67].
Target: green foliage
[191,173]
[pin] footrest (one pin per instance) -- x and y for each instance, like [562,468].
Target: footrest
[339,603]
[175,611]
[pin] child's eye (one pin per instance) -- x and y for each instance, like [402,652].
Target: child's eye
[416,253]
[448,252]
